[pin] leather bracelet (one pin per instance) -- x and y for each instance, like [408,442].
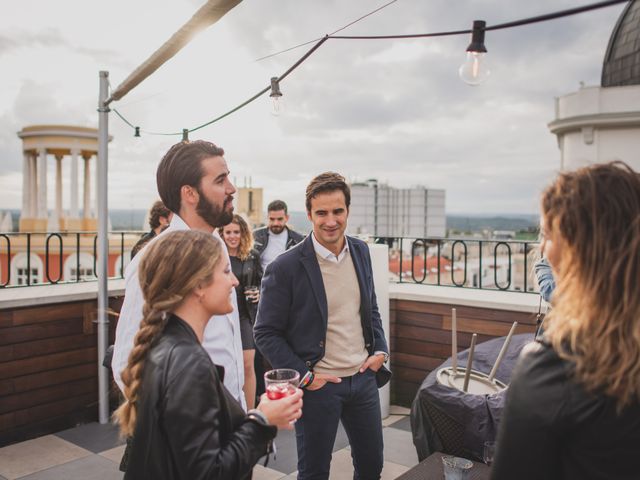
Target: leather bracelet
[307,379]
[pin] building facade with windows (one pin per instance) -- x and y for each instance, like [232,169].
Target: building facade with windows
[385,211]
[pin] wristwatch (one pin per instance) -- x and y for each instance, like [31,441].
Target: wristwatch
[386,355]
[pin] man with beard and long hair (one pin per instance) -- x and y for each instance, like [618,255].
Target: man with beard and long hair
[276,237]
[193,182]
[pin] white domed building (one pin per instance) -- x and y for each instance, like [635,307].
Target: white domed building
[602,123]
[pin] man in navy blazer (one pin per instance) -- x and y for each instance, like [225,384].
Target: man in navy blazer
[318,315]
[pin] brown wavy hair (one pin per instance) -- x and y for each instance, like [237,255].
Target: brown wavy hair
[173,266]
[157,210]
[246,237]
[327,182]
[595,322]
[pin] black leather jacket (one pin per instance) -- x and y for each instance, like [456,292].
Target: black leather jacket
[189,426]
[261,238]
[552,428]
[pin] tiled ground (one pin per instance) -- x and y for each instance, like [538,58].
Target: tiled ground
[93,452]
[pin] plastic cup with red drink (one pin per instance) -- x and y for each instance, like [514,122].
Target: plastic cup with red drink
[281,382]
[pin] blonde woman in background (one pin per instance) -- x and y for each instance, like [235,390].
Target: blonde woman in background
[184,423]
[573,406]
[245,264]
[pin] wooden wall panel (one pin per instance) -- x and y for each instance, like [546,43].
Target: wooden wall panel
[421,338]
[49,368]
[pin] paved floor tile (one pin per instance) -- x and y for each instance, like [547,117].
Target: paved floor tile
[398,410]
[391,471]
[114,454]
[391,419]
[261,473]
[404,423]
[67,455]
[286,460]
[93,436]
[93,467]
[34,455]
[398,447]
[342,467]
[341,439]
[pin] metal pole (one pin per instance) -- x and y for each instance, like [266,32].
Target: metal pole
[103,247]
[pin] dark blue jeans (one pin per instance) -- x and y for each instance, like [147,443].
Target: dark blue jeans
[355,401]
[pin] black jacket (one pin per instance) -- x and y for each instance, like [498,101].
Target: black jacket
[249,273]
[552,428]
[261,238]
[189,426]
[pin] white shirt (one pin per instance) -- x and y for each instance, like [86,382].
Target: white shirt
[275,246]
[221,335]
[327,254]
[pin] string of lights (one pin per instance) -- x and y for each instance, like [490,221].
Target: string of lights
[472,71]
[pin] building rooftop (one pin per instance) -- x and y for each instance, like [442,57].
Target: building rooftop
[622,60]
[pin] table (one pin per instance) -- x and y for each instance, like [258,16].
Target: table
[447,420]
[431,469]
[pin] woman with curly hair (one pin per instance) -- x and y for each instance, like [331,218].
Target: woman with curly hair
[184,423]
[245,263]
[573,406]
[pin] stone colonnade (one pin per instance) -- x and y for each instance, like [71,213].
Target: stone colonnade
[34,183]
[63,143]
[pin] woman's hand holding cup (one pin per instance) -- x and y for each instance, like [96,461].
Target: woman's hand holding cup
[283,412]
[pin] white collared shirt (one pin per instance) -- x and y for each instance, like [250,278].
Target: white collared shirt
[221,335]
[276,244]
[327,254]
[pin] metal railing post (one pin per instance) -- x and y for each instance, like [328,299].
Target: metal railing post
[103,248]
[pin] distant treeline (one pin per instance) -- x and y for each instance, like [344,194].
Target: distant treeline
[135,220]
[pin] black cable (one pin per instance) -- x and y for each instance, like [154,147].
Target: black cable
[553,16]
[123,119]
[515,23]
[265,90]
[332,33]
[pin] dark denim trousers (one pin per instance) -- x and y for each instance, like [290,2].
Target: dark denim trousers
[356,403]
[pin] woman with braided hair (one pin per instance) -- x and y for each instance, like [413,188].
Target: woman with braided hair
[184,423]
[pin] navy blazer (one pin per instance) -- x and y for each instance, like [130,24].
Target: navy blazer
[291,326]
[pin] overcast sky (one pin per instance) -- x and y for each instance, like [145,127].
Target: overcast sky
[395,110]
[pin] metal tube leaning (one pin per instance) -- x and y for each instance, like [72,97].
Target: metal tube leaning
[467,373]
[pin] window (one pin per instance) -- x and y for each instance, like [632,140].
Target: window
[71,271]
[21,273]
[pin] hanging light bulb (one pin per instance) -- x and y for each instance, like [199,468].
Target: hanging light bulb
[474,70]
[137,132]
[277,104]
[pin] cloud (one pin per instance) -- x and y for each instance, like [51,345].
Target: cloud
[395,110]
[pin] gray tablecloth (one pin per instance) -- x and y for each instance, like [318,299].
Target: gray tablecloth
[447,420]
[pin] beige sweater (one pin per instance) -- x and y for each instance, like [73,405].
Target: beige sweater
[344,345]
